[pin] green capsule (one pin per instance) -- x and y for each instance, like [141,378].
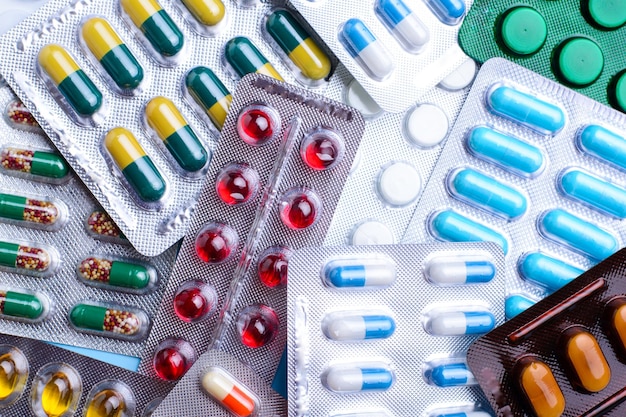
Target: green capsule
[209,92]
[115,273]
[245,58]
[24,305]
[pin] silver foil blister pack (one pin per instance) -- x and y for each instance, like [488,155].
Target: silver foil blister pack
[370,326]
[535,167]
[87,67]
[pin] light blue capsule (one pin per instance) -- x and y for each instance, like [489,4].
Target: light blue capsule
[346,326]
[452,227]
[463,414]
[403,24]
[594,192]
[604,144]
[526,110]
[505,151]
[363,273]
[449,12]
[345,379]
[546,271]
[451,375]
[362,45]
[577,234]
[515,304]
[487,193]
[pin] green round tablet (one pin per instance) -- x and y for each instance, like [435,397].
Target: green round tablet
[523,30]
[579,61]
[619,92]
[609,14]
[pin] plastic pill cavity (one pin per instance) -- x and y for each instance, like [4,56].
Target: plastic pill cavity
[460,77]
[371,232]
[172,358]
[109,321]
[13,374]
[583,356]
[272,266]
[110,398]
[523,30]
[257,325]
[453,227]
[350,378]
[19,117]
[353,326]
[55,390]
[21,304]
[459,323]
[209,93]
[604,144]
[242,57]
[452,374]
[399,184]
[237,184]
[594,192]
[425,125]
[101,226]
[258,124]
[27,259]
[403,24]
[98,270]
[216,242]
[540,388]
[355,95]
[322,149]
[578,61]
[366,49]
[210,14]
[300,208]
[449,12]
[515,304]
[229,392]
[32,212]
[43,166]
[194,301]
[547,272]
[443,270]
[359,273]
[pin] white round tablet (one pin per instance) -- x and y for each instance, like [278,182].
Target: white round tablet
[399,184]
[426,125]
[371,232]
[460,77]
[356,96]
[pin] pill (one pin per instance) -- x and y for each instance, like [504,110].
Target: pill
[526,110]
[347,379]
[100,225]
[514,304]
[359,273]
[618,322]
[172,358]
[450,375]
[580,235]
[523,30]
[21,305]
[449,12]
[79,91]
[273,266]
[399,184]
[546,271]
[24,258]
[257,325]
[369,52]
[617,91]
[322,149]
[194,301]
[403,24]
[137,167]
[453,227]
[480,190]
[116,273]
[58,394]
[107,403]
[237,184]
[459,323]
[207,12]
[455,271]
[257,124]
[343,326]
[13,375]
[178,137]
[578,61]
[20,117]
[36,212]
[604,144]
[210,94]
[245,58]
[595,192]
[300,208]
[216,242]
[541,389]
[49,165]
[460,77]
[106,319]
[607,15]
[371,232]
[426,125]
[229,392]
[584,357]
[156,25]
[505,151]
[298,45]
[112,53]
[461,414]
[355,95]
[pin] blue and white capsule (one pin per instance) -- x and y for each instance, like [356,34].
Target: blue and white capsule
[462,414]
[547,272]
[359,273]
[366,49]
[604,144]
[450,375]
[349,379]
[345,326]
[516,303]
[594,192]
[460,323]
[450,226]
[403,24]
[456,271]
[449,12]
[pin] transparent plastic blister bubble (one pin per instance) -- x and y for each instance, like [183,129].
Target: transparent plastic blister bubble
[218,384]
[58,248]
[397,50]
[134,94]
[368,328]
[262,199]
[528,166]
[44,380]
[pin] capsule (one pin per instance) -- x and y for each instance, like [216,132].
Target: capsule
[515,304]
[210,94]
[100,225]
[20,117]
[526,110]
[546,271]
[347,379]
[48,165]
[584,357]
[618,323]
[459,323]
[21,305]
[403,24]
[347,326]
[13,375]
[450,375]
[112,53]
[359,273]
[25,258]
[106,319]
[455,271]
[604,144]
[180,140]
[137,167]
[58,395]
[452,227]
[298,45]
[363,46]
[245,58]
[229,392]
[480,190]
[115,273]
[208,12]
[42,213]
[541,389]
[79,91]
[463,414]
[569,230]
[156,25]
[449,12]
[107,403]
[505,151]
[594,192]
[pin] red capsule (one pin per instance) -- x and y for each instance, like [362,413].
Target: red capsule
[272,266]
[216,242]
[322,149]
[300,208]
[257,124]
[237,184]
[194,301]
[172,358]
[257,325]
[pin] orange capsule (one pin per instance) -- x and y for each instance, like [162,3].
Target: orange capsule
[618,322]
[541,389]
[586,360]
[229,392]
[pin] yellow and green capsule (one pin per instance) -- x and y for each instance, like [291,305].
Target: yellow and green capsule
[79,91]
[156,25]
[114,56]
[207,12]
[137,167]
[245,58]
[210,94]
[298,45]
[180,140]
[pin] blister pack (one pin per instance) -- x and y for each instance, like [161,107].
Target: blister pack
[397,50]
[43,380]
[564,356]
[133,93]
[283,157]
[575,44]
[535,167]
[68,274]
[371,326]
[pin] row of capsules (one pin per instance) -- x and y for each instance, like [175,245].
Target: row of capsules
[67,271]
[42,380]
[566,355]
[538,169]
[142,89]
[372,326]
[397,50]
